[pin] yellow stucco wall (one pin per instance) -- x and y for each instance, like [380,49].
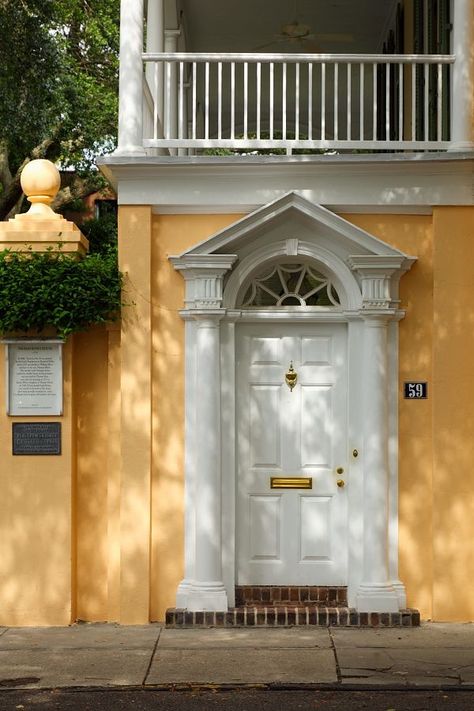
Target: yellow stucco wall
[453,414]
[436,443]
[91,485]
[413,234]
[119,484]
[172,234]
[35,520]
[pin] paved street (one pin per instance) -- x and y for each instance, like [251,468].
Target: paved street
[238,700]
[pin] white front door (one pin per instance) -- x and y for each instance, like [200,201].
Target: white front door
[291,536]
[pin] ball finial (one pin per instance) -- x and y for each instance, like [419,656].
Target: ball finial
[40,181]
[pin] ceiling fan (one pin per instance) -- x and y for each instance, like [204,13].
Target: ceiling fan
[300,34]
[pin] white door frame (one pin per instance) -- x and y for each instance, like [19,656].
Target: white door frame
[318,352]
[368,287]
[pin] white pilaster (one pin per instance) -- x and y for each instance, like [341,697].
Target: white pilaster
[207,591]
[376,593]
[203,587]
[155,42]
[462,106]
[130,130]
[171,89]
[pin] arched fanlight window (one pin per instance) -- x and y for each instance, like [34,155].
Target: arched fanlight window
[291,285]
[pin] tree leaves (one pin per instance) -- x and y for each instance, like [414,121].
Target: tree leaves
[58,77]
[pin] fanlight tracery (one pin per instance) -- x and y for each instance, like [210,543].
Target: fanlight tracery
[291,285]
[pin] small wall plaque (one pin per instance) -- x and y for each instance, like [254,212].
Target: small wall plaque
[34,378]
[415,390]
[36,438]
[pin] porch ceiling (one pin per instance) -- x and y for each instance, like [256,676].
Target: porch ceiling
[340,26]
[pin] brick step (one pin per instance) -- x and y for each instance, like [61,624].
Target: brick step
[276,595]
[290,616]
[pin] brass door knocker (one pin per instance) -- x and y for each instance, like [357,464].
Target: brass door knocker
[291,377]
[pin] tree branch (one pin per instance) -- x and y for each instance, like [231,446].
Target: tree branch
[79,189]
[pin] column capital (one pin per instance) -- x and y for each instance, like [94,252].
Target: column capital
[204,275]
[379,276]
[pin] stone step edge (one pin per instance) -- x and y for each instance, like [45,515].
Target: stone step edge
[290,617]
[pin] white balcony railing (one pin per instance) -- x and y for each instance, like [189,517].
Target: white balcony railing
[298,102]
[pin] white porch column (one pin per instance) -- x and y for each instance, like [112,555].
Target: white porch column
[376,593]
[171,89]
[462,103]
[379,276]
[130,130]
[207,591]
[202,587]
[155,42]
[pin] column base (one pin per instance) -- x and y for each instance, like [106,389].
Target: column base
[399,588]
[377,597]
[182,593]
[207,596]
[130,150]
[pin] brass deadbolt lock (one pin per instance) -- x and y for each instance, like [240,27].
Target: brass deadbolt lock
[340,470]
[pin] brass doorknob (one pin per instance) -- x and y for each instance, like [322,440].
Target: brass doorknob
[341,483]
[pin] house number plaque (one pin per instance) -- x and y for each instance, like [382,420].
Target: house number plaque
[415,390]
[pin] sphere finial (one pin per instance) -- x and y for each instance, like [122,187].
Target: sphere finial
[40,181]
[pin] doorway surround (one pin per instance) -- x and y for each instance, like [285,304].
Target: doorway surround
[365,273]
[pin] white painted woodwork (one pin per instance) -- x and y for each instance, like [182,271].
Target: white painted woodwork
[395,183]
[376,592]
[243,97]
[130,129]
[365,272]
[170,92]
[462,104]
[207,591]
[293,536]
[155,42]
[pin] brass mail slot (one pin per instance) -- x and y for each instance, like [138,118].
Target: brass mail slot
[291,482]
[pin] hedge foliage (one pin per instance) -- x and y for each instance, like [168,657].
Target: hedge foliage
[54,289]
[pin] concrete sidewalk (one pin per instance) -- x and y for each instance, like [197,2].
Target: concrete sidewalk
[98,655]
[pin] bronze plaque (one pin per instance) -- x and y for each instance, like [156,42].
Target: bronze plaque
[36,438]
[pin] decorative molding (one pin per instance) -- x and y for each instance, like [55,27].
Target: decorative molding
[387,183]
[365,272]
[204,279]
[292,247]
[376,273]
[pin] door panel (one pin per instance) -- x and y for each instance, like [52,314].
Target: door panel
[264,527]
[265,431]
[291,536]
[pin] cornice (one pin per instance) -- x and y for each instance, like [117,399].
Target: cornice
[216,184]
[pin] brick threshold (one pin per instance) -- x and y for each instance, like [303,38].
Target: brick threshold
[290,616]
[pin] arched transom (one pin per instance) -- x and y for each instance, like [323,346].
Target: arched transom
[289,284]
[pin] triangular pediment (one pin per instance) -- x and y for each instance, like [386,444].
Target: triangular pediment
[293,216]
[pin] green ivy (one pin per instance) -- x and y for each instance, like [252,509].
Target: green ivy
[53,289]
